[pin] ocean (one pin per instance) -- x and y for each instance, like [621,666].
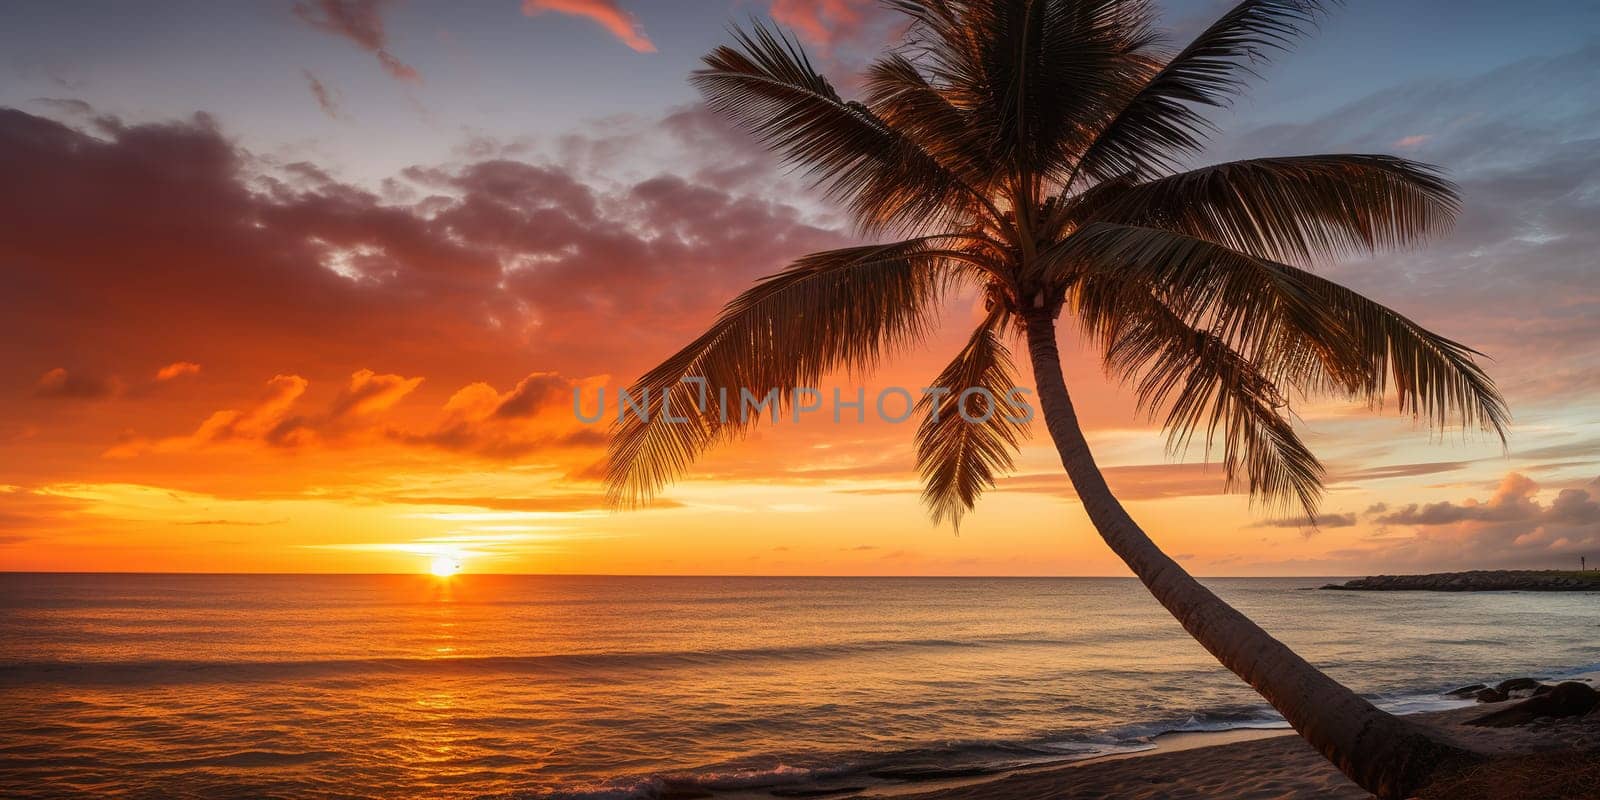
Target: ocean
[254,686]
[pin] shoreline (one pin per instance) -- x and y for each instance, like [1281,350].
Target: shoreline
[1242,762]
[1162,744]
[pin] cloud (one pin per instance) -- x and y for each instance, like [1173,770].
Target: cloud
[551,503]
[1413,140]
[1300,522]
[821,22]
[177,369]
[324,95]
[59,383]
[253,423]
[66,105]
[272,422]
[202,250]
[534,416]
[606,13]
[361,22]
[1390,471]
[1131,482]
[1513,528]
[1512,502]
[533,394]
[232,523]
[830,23]
[370,393]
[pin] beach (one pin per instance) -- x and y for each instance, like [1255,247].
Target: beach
[1258,765]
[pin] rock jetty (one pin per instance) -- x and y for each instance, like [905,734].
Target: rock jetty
[1479,581]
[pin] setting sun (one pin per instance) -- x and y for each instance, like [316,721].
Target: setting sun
[444,566]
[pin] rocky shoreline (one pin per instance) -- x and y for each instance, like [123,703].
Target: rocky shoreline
[1478,581]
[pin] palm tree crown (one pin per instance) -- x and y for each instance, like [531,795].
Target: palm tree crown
[1034,150]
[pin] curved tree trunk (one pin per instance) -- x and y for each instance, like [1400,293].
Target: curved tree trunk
[1384,754]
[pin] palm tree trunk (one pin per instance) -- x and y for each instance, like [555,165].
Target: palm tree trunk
[1384,754]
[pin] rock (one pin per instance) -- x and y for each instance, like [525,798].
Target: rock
[1467,691]
[1569,699]
[1480,581]
[1517,685]
[1490,695]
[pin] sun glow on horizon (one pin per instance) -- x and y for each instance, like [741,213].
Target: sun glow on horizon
[444,566]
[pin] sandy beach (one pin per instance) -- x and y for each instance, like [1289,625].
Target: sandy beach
[1269,765]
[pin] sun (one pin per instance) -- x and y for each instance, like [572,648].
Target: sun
[444,566]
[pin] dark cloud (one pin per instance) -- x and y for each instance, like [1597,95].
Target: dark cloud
[533,394]
[64,384]
[202,249]
[1322,521]
[533,417]
[361,22]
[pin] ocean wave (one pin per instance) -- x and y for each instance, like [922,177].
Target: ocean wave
[846,774]
[170,671]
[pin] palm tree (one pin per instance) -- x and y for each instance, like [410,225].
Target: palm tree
[1033,150]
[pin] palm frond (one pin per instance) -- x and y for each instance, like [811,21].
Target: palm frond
[900,95]
[1299,329]
[965,441]
[1160,123]
[1434,379]
[769,87]
[1033,77]
[1081,65]
[1299,207]
[1204,385]
[1207,284]
[838,309]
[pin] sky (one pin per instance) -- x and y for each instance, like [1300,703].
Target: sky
[308,287]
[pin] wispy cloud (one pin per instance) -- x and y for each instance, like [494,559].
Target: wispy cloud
[361,22]
[606,13]
[324,95]
[1301,522]
[177,369]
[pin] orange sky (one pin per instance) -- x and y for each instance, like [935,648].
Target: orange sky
[223,357]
